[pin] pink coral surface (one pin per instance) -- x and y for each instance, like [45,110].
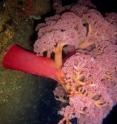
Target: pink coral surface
[90,79]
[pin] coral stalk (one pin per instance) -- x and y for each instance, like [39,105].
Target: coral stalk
[20,59]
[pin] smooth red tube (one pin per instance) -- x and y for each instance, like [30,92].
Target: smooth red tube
[20,59]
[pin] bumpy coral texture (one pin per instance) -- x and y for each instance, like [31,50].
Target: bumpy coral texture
[90,80]
[80,24]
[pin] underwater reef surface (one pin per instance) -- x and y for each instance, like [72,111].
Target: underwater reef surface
[89,85]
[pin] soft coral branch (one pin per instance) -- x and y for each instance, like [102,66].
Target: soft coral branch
[20,59]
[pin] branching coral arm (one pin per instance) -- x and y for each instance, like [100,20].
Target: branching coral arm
[58,60]
[58,54]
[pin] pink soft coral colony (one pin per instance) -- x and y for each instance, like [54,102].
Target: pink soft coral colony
[89,76]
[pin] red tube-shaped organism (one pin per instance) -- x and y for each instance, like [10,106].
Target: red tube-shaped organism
[20,59]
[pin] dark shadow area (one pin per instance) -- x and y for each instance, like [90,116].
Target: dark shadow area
[105,6]
[112,117]
[47,106]
[67,2]
[44,107]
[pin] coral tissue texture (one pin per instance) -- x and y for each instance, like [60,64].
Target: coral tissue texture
[89,85]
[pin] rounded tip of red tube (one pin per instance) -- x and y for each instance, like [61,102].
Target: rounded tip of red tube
[6,53]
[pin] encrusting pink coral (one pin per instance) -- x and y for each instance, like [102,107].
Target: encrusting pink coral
[70,28]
